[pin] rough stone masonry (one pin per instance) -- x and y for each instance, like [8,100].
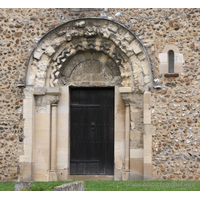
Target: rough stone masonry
[174,106]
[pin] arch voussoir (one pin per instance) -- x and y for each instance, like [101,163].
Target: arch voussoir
[108,37]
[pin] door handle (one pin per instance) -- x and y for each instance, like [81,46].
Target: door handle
[92,126]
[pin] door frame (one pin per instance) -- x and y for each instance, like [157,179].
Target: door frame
[63,161]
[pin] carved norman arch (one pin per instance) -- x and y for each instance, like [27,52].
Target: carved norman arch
[53,66]
[106,36]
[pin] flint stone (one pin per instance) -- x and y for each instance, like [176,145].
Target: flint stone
[18,34]
[170,84]
[8,96]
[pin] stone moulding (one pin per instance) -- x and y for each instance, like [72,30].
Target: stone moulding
[59,44]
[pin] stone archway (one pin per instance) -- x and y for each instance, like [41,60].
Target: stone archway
[102,53]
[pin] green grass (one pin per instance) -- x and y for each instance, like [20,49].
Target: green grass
[142,185]
[7,186]
[114,185]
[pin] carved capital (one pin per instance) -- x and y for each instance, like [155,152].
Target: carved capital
[53,100]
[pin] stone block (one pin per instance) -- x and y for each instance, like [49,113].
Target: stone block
[119,163]
[39,82]
[163,57]
[135,113]
[53,176]
[147,116]
[63,174]
[135,144]
[147,171]
[37,55]
[53,90]
[147,79]
[178,58]
[135,135]
[125,176]
[28,108]
[75,186]
[141,56]
[149,129]
[163,68]
[125,90]
[147,97]
[137,48]
[171,47]
[178,68]
[25,172]
[145,67]
[129,37]
[28,92]
[39,90]
[50,51]
[136,153]
[113,28]
[22,186]
[118,174]
[136,169]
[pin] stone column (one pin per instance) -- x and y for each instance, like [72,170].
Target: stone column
[127,137]
[54,96]
[53,136]
[126,172]
[26,160]
[126,96]
[119,150]
[147,139]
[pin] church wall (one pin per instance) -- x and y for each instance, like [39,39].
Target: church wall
[174,107]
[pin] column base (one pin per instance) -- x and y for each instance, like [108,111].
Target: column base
[53,175]
[125,175]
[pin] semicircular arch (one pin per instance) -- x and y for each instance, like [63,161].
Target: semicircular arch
[90,34]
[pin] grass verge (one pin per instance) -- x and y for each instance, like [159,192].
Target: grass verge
[114,185]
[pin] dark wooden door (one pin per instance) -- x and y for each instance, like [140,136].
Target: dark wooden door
[92,131]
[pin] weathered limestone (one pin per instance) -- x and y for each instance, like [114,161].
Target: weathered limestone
[147,111]
[26,160]
[53,136]
[126,172]
[41,152]
[147,138]
[63,146]
[119,138]
[22,186]
[115,44]
[136,164]
[75,186]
